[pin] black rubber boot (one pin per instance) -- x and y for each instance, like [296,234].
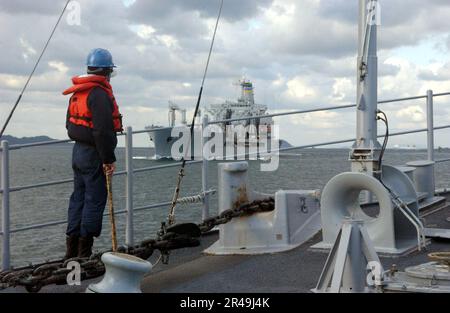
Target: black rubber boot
[85,247]
[71,247]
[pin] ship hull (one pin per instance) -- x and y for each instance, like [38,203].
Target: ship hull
[163,142]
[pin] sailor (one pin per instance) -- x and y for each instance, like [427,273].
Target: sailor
[93,119]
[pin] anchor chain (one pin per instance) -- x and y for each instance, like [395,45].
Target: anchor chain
[178,236]
[257,206]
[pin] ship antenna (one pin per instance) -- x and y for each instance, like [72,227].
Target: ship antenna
[171,217]
[32,72]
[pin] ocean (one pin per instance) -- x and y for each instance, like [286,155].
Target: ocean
[302,169]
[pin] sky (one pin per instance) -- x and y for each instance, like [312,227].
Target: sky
[300,54]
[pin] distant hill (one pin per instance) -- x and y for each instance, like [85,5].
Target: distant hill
[18,141]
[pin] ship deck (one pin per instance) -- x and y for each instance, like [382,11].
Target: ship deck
[294,271]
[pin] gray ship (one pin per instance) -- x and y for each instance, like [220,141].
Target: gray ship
[243,108]
[161,136]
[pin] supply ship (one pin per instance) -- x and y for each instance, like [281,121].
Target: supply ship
[232,113]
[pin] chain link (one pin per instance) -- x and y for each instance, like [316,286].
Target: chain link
[257,206]
[34,277]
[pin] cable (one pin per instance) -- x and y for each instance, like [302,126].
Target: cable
[32,72]
[383,147]
[171,216]
[386,136]
[204,77]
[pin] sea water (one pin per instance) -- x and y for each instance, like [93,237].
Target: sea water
[301,169]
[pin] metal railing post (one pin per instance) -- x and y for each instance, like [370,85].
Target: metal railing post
[129,229]
[205,212]
[6,252]
[430,125]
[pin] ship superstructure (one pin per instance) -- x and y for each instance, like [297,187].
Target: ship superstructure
[243,107]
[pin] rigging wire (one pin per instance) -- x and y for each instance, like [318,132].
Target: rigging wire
[32,72]
[171,216]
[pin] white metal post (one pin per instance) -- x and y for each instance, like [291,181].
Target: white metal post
[205,212]
[430,125]
[5,207]
[129,230]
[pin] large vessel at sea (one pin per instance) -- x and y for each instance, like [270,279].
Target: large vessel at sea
[374,228]
[232,113]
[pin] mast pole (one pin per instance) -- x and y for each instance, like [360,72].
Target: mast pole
[366,149]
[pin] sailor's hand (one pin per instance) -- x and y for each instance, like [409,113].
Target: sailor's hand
[109,168]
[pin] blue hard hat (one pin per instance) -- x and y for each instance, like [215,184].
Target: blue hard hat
[100,58]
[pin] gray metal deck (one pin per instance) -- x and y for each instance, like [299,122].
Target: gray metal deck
[295,271]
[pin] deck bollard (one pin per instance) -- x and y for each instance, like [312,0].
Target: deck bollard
[423,177]
[123,274]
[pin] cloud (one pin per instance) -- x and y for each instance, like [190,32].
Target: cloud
[299,89]
[233,10]
[436,72]
[413,113]
[343,88]
[44,7]
[299,54]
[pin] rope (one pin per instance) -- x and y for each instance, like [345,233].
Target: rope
[158,260]
[32,72]
[441,257]
[112,218]
[194,199]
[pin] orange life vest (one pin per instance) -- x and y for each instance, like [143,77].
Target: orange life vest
[79,112]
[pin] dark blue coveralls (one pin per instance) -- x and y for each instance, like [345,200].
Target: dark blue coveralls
[88,199]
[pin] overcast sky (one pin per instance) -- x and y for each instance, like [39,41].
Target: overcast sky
[300,54]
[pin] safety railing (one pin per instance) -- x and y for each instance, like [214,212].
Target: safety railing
[129,209]
[129,171]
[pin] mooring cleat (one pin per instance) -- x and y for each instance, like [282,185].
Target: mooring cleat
[123,274]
